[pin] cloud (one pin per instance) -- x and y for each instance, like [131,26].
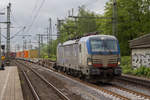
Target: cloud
[25,10]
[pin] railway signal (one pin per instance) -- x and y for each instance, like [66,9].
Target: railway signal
[0,39]
[2,47]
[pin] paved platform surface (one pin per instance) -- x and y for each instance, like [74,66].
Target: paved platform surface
[10,87]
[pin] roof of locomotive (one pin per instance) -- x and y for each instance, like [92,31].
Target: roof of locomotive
[102,37]
[84,39]
[69,42]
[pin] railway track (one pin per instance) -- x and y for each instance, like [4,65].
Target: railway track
[27,88]
[136,80]
[133,95]
[115,91]
[35,93]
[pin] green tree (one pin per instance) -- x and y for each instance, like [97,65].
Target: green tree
[132,21]
[77,27]
[86,22]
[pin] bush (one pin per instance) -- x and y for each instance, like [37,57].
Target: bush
[142,71]
[53,57]
[126,65]
[125,60]
[127,68]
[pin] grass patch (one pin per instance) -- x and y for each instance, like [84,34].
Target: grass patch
[52,57]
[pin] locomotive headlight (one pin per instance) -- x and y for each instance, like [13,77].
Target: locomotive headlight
[119,61]
[89,61]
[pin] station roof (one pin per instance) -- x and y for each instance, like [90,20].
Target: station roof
[141,42]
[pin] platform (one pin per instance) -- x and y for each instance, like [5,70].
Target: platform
[10,87]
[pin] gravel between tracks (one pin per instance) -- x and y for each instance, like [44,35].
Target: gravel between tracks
[60,84]
[125,93]
[132,86]
[43,90]
[86,92]
[45,95]
[132,96]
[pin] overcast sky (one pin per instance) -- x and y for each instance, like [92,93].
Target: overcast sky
[25,11]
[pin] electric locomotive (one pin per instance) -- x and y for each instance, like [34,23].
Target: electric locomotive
[94,57]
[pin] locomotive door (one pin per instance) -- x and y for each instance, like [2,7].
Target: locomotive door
[81,54]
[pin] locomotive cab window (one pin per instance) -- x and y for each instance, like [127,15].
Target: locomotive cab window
[98,45]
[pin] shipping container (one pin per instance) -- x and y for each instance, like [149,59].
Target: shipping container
[33,53]
[26,54]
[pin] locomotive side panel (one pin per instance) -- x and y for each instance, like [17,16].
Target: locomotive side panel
[71,56]
[67,56]
[75,63]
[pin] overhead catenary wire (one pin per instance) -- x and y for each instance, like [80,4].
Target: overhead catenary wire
[18,32]
[33,11]
[35,16]
[35,7]
[14,34]
[4,36]
[32,22]
[13,19]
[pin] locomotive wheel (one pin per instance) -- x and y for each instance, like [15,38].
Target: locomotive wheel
[80,75]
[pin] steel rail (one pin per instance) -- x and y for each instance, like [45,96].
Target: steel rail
[132,91]
[130,79]
[64,97]
[100,88]
[134,79]
[109,92]
[31,86]
[35,94]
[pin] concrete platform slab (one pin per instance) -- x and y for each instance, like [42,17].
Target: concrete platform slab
[10,87]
